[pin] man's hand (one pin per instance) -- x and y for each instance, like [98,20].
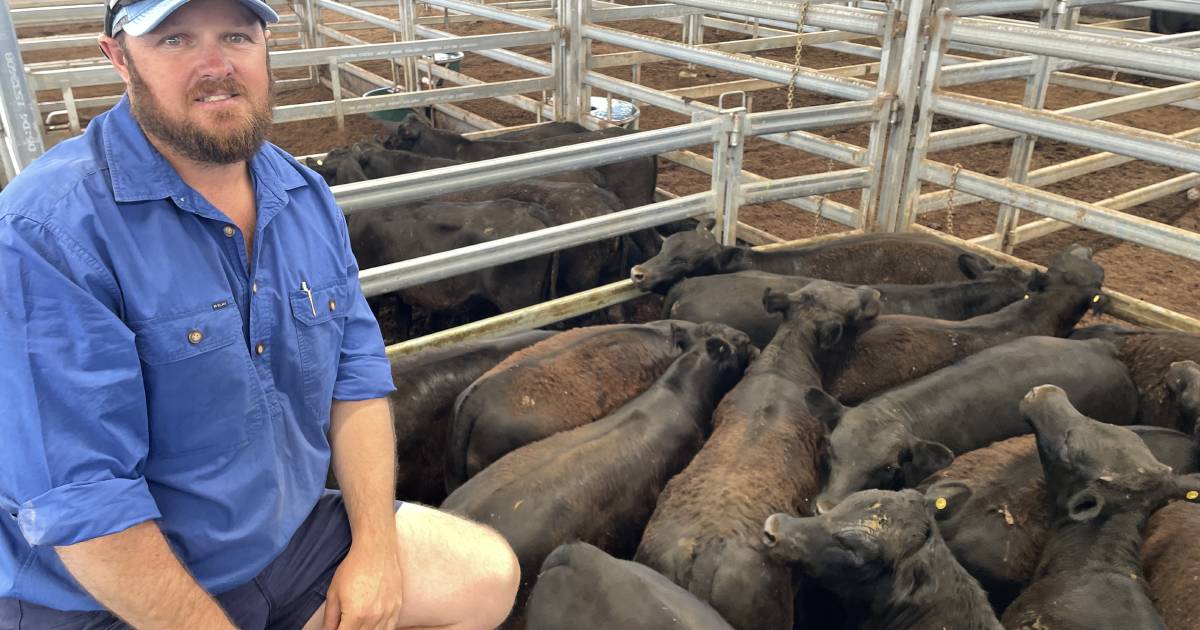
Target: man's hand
[366,591]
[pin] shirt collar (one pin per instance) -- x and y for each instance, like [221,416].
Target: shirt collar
[140,173]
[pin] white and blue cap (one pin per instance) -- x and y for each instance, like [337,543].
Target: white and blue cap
[138,17]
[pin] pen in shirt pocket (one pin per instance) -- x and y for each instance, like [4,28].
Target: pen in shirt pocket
[308,292]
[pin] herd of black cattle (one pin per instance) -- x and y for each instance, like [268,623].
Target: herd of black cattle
[880,431]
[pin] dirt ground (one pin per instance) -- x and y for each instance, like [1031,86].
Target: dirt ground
[1163,279]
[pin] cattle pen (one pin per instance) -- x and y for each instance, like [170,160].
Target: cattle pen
[917,56]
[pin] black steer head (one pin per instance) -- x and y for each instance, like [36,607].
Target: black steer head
[408,132]
[1095,469]
[1183,381]
[729,347]
[829,308]
[683,254]
[865,454]
[849,547]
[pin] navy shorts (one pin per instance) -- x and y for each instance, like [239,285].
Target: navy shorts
[284,595]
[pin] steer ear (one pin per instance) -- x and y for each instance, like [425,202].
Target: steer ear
[1038,281]
[729,257]
[679,336]
[925,458]
[706,226]
[1187,487]
[944,498]
[974,266]
[868,302]
[824,407]
[1085,505]
[775,301]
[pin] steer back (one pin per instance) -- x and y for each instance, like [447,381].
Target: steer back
[580,582]
[861,259]
[904,435]
[765,456]
[899,348]
[598,483]
[575,378]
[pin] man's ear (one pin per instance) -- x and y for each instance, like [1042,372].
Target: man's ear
[112,49]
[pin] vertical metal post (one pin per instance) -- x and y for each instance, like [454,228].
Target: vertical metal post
[335,81]
[885,93]
[939,41]
[19,114]
[1054,17]
[693,35]
[892,134]
[408,24]
[570,61]
[727,170]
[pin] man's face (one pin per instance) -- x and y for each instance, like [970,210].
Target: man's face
[200,82]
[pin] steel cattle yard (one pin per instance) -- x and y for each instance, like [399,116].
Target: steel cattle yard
[916,61]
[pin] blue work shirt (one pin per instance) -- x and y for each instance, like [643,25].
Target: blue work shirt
[148,371]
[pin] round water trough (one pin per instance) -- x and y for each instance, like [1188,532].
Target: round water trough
[623,114]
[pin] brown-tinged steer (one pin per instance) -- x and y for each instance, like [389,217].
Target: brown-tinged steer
[765,456]
[862,259]
[992,509]
[423,405]
[900,437]
[899,348]
[1149,354]
[732,298]
[880,552]
[580,587]
[598,483]
[1171,560]
[1103,484]
[575,378]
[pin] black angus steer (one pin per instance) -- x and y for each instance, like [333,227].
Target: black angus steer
[1103,483]
[993,512]
[384,236]
[900,437]
[598,483]
[1149,354]
[862,259]
[732,298]
[899,348]
[765,455]
[880,552]
[581,586]
[632,180]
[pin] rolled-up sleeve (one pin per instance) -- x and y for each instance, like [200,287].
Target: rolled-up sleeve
[363,368]
[72,403]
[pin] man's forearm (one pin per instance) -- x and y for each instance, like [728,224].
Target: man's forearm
[364,461]
[135,575]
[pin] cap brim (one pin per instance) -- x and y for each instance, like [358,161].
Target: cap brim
[143,17]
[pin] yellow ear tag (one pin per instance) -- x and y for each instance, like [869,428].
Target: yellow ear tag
[940,503]
[1096,299]
[320,162]
[1026,297]
[1192,495]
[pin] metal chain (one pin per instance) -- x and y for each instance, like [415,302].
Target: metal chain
[791,92]
[821,199]
[950,199]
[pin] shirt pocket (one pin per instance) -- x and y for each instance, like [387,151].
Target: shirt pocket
[320,316]
[199,385]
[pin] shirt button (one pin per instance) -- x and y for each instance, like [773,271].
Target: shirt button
[260,348]
[195,337]
[229,231]
[332,305]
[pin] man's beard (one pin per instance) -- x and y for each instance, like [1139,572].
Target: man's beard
[241,140]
